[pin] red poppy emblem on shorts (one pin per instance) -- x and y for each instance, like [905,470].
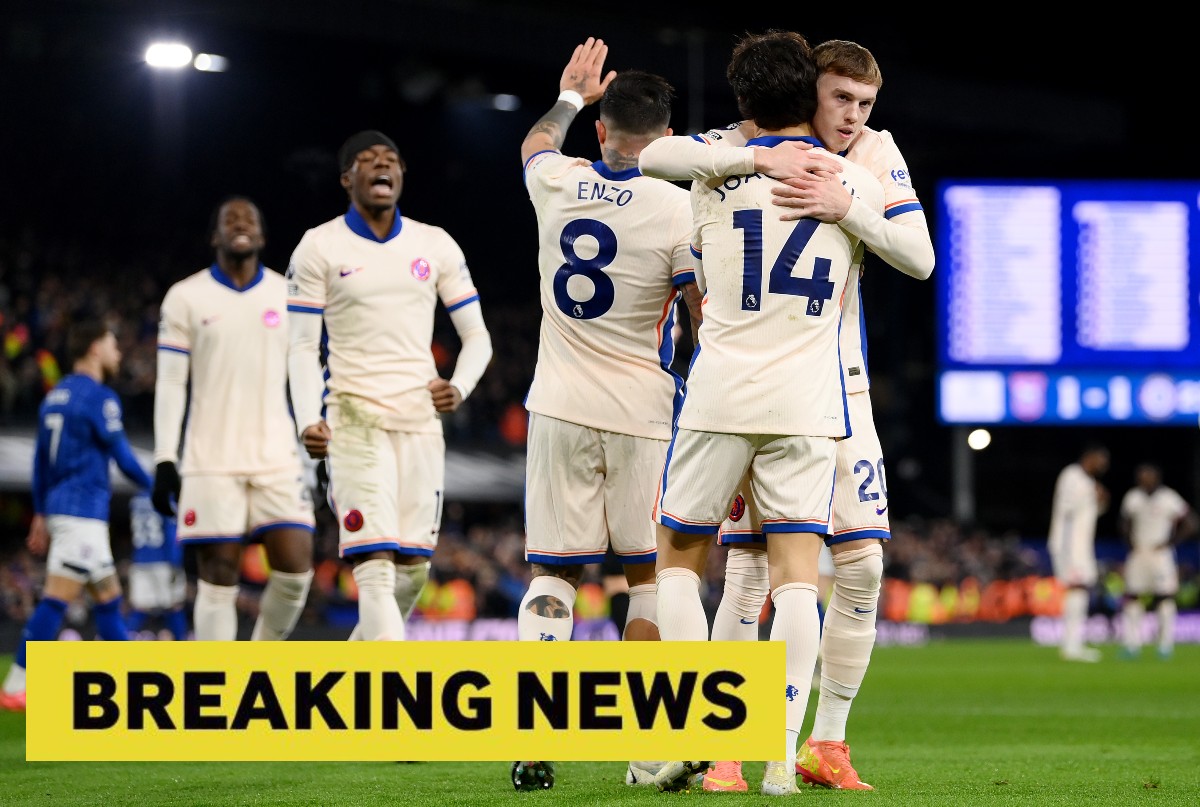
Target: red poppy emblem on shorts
[189,518]
[353,521]
[738,510]
[420,269]
[271,318]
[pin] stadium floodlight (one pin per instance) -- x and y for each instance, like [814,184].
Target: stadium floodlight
[168,55]
[979,439]
[506,102]
[210,63]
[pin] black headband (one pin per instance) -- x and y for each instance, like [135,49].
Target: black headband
[360,142]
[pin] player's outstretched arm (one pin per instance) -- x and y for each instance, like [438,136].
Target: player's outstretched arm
[583,82]
[681,157]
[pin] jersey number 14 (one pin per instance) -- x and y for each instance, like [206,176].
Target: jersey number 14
[817,288]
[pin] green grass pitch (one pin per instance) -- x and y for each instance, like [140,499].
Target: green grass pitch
[963,722]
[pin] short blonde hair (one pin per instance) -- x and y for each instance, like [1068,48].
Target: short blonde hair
[850,59]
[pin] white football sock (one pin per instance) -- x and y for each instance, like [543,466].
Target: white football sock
[643,604]
[798,625]
[378,614]
[1166,625]
[1132,614]
[746,587]
[547,593]
[1074,614]
[681,616]
[214,615]
[281,604]
[410,580]
[15,680]
[847,638]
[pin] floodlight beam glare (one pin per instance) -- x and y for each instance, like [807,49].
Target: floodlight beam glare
[168,55]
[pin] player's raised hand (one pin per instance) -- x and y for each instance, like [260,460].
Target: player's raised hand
[583,73]
[316,439]
[38,540]
[795,158]
[812,197]
[446,396]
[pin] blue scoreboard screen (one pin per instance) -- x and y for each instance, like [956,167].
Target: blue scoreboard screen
[1068,302]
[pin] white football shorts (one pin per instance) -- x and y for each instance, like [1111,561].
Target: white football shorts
[860,499]
[586,488]
[217,508]
[386,487]
[790,478]
[156,586]
[79,549]
[1152,571]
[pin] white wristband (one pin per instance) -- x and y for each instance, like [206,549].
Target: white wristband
[573,98]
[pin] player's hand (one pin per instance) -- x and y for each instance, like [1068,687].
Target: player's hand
[316,439]
[582,73]
[166,487]
[446,396]
[810,197]
[795,158]
[38,540]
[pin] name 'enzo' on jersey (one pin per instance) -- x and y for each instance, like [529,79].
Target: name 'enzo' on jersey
[616,194]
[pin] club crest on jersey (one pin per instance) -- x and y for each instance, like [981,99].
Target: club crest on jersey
[271,318]
[739,508]
[420,269]
[189,518]
[353,521]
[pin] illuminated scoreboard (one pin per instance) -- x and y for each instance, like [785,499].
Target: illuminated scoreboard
[1068,302]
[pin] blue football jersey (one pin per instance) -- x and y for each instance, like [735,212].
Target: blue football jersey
[153,533]
[79,431]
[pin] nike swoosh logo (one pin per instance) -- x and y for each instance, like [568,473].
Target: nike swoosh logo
[720,782]
[881,510]
[858,610]
[348,272]
[210,320]
[746,621]
[835,771]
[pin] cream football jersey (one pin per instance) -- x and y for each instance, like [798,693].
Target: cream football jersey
[1152,516]
[378,299]
[236,341]
[768,360]
[1073,513]
[875,150]
[613,247]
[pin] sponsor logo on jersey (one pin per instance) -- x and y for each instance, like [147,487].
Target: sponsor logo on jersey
[353,521]
[739,508]
[271,318]
[420,269]
[880,510]
[348,272]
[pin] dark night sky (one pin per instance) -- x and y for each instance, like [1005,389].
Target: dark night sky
[103,154]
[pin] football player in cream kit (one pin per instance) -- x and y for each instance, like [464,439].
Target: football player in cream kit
[766,396]
[225,329]
[846,91]
[372,279]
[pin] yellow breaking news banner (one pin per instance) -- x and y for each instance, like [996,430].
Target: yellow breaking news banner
[387,701]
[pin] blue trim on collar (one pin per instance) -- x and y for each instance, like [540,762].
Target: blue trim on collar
[219,275]
[615,176]
[773,140]
[358,225]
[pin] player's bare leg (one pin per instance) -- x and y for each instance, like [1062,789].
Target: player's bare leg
[289,553]
[215,615]
[641,623]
